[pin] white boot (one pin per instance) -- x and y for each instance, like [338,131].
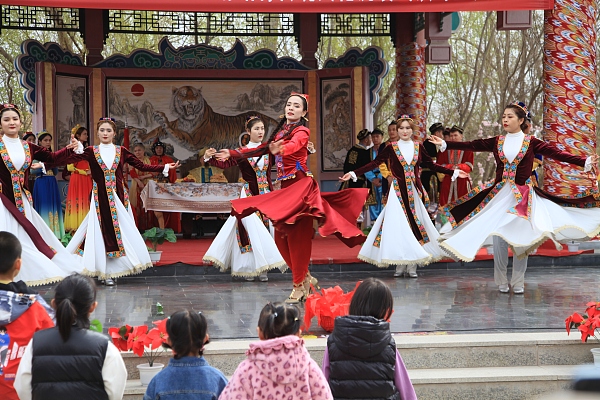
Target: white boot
[400,271]
[412,271]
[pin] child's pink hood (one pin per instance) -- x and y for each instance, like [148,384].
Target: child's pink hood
[283,360]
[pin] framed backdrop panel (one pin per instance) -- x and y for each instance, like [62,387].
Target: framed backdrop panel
[71,107]
[336,124]
[191,115]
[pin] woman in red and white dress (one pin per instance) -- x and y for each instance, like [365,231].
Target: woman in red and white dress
[108,239]
[403,234]
[293,209]
[511,207]
[247,248]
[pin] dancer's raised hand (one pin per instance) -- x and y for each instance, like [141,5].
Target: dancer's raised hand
[173,165]
[73,144]
[222,154]
[435,140]
[347,176]
[275,147]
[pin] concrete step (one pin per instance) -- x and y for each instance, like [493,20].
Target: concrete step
[429,351]
[445,367]
[493,383]
[506,383]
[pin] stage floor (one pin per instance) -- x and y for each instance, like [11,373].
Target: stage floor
[439,301]
[326,250]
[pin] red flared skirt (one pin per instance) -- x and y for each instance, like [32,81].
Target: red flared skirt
[335,212]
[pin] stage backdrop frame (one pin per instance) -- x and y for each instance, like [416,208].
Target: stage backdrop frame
[98,80]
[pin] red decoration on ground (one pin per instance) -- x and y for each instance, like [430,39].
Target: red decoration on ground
[327,305]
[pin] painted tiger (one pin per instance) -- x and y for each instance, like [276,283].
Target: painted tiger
[197,125]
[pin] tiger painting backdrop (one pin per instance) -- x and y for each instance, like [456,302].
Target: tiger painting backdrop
[190,116]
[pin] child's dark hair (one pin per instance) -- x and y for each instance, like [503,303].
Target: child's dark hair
[10,248]
[73,298]
[187,331]
[279,319]
[283,120]
[372,298]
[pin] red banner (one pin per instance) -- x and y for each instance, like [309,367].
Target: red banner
[297,6]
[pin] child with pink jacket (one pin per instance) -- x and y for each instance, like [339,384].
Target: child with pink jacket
[278,366]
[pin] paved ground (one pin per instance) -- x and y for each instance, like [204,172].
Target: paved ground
[454,301]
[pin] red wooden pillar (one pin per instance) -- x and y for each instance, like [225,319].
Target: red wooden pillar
[410,72]
[570,92]
[308,37]
[95,32]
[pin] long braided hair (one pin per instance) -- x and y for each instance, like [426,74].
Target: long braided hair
[283,120]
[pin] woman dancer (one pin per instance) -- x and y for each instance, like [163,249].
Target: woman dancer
[46,196]
[80,186]
[108,238]
[139,179]
[510,207]
[407,238]
[299,203]
[165,219]
[45,260]
[247,248]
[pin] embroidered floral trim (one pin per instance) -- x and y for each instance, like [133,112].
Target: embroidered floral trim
[243,249]
[508,176]
[377,241]
[17,177]
[262,174]
[411,187]
[110,181]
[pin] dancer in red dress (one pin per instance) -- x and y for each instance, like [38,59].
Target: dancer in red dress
[299,203]
[80,187]
[165,219]
[455,159]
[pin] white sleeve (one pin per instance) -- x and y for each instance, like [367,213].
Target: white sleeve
[353,175]
[44,168]
[114,373]
[455,174]
[443,146]
[22,383]
[588,164]
[166,170]
[79,149]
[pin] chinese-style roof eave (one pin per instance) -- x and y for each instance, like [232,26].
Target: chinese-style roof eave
[297,6]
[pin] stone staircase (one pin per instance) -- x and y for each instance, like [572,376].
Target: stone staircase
[446,367]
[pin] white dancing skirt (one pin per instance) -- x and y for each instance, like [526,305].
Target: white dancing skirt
[36,268]
[548,221]
[136,258]
[398,244]
[226,251]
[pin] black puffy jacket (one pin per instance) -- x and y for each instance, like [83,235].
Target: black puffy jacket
[362,359]
[68,370]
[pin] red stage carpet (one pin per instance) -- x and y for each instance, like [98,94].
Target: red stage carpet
[328,250]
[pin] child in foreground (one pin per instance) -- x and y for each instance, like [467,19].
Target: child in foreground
[22,313]
[70,361]
[278,366]
[361,360]
[188,375]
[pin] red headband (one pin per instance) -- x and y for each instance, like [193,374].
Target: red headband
[304,96]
